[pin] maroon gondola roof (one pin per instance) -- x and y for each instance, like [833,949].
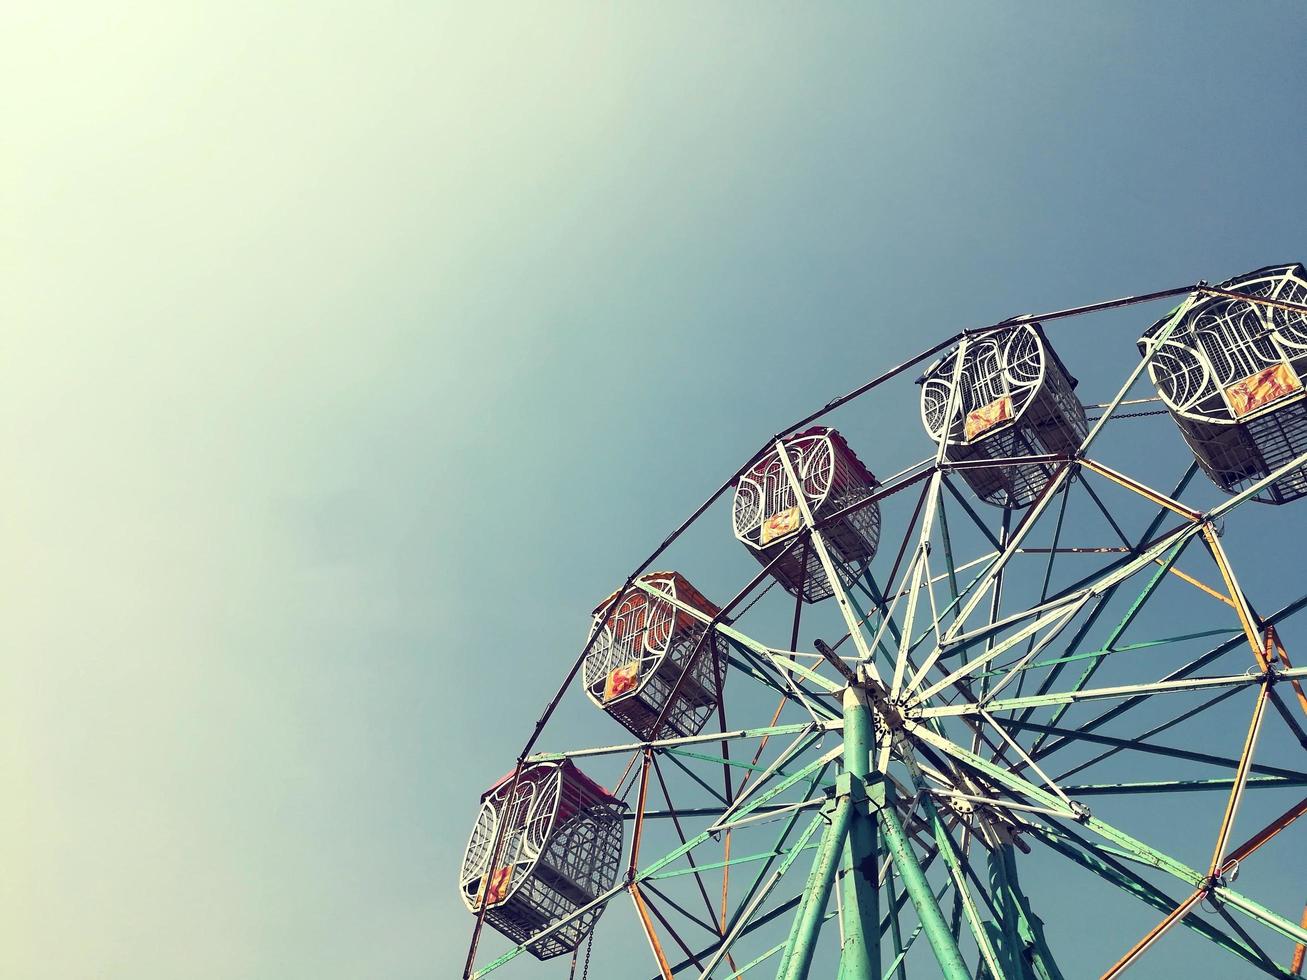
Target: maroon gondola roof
[570,772]
[685,592]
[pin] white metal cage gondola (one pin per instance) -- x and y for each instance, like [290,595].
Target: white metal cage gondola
[766,513]
[1230,373]
[1015,399]
[561,849]
[635,663]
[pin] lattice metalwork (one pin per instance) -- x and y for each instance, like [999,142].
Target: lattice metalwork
[1013,399]
[634,665]
[1230,371]
[767,514]
[560,849]
[982,698]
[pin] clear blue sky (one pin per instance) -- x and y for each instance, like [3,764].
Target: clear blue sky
[354,351]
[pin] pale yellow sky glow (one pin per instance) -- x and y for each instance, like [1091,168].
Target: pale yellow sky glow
[351,352]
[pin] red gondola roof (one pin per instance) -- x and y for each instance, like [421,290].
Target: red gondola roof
[685,592]
[570,772]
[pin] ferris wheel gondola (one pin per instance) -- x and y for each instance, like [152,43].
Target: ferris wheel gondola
[960,735]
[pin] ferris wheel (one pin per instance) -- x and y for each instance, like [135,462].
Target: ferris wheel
[940,691]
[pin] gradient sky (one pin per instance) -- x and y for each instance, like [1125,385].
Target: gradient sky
[354,351]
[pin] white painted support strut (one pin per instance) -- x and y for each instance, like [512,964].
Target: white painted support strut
[778,659]
[828,566]
[1094,694]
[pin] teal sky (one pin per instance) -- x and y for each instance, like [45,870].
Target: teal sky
[354,351]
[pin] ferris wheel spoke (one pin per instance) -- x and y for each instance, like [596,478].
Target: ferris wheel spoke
[817,540]
[1035,646]
[787,853]
[1107,595]
[1121,691]
[1172,554]
[744,806]
[956,863]
[1054,620]
[800,744]
[1184,785]
[1099,862]
[962,647]
[917,569]
[1139,744]
[680,833]
[864,583]
[1011,546]
[1155,342]
[1099,587]
[1026,759]
[1279,616]
[1025,667]
[740,925]
[1137,849]
[765,673]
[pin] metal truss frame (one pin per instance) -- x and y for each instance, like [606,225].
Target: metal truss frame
[917,792]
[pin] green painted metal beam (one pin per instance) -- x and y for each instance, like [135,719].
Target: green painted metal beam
[1092,858]
[1138,745]
[941,938]
[1277,617]
[1132,613]
[1100,693]
[860,955]
[802,943]
[1145,854]
[1124,648]
[1182,786]
[786,830]
[1036,956]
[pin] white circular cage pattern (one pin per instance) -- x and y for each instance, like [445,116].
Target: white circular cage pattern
[561,849]
[766,514]
[1014,399]
[636,661]
[1001,372]
[1231,374]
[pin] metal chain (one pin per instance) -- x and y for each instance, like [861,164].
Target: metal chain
[585,968]
[1131,415]
[589,945]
